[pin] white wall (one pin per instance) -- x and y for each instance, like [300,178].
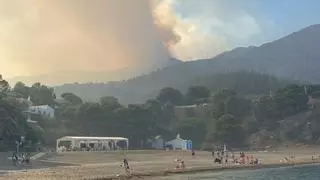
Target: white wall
[46,111]
[176,143]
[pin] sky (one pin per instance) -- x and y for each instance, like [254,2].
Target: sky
[45,36]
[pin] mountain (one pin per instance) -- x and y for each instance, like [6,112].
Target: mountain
[62,77]
[295,56]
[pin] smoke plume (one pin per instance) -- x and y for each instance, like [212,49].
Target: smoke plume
[41,36]
[44,36]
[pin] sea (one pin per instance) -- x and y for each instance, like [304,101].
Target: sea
[306,172]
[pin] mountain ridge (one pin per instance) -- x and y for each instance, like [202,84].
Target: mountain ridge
[72,76]
[295,56]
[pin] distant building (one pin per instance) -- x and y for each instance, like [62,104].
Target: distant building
[179,144]
[313,102]
[42,110]
[82,143]
[183,112]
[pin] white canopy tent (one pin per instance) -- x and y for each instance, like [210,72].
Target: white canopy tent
[92,143]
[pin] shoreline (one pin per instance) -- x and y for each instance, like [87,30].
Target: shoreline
[209,169]
[148,165]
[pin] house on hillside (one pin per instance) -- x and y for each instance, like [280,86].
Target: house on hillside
[314,103]
[42,110]
[184,112]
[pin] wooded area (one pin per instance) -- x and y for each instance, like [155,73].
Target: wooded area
[232,118]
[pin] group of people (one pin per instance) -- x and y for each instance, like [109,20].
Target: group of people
[221,157]
[25,158]
[180,164]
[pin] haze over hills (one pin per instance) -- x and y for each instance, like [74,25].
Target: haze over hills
[64,77]
[295,56]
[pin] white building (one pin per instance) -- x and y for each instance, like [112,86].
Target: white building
[82,143]
[179,144]
[43,110]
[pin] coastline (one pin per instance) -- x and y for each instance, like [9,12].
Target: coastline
[149,164]
[210,169]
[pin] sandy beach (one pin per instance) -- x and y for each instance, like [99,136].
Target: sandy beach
[147,164]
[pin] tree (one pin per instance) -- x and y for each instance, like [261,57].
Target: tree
[237,106]
[109,102]
[42,95]
[223,95]
[196,93]
[223,102]
[287,101]
[21,89]
[72,98]
[13,124]
[227,130]
[90,117]
[193,129]
[162,117]
[170,95]
[4,88]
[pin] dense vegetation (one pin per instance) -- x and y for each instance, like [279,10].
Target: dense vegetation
[291,57]
[230,117]
[142,88]
[13,123]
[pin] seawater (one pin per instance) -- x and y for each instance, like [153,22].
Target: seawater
[310,172]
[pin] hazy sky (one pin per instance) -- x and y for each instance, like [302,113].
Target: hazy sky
[41,36]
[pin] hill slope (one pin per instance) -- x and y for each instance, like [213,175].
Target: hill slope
[136,91]
[62,77]
[295,57]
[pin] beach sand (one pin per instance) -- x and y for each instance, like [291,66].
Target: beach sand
[147,164]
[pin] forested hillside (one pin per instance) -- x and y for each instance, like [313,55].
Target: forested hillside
[140,89]
[230,117]
[292,57]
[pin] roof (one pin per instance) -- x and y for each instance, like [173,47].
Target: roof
[192,106]
[158,137]
[91,138]
[42,107]
[189,106]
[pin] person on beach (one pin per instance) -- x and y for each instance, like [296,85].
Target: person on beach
[252,160]
[227,156]
[126,166]
[14,158]
[180,164]
[193,153]
[236,161]
[242,158]
[183,166]
[23,156]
